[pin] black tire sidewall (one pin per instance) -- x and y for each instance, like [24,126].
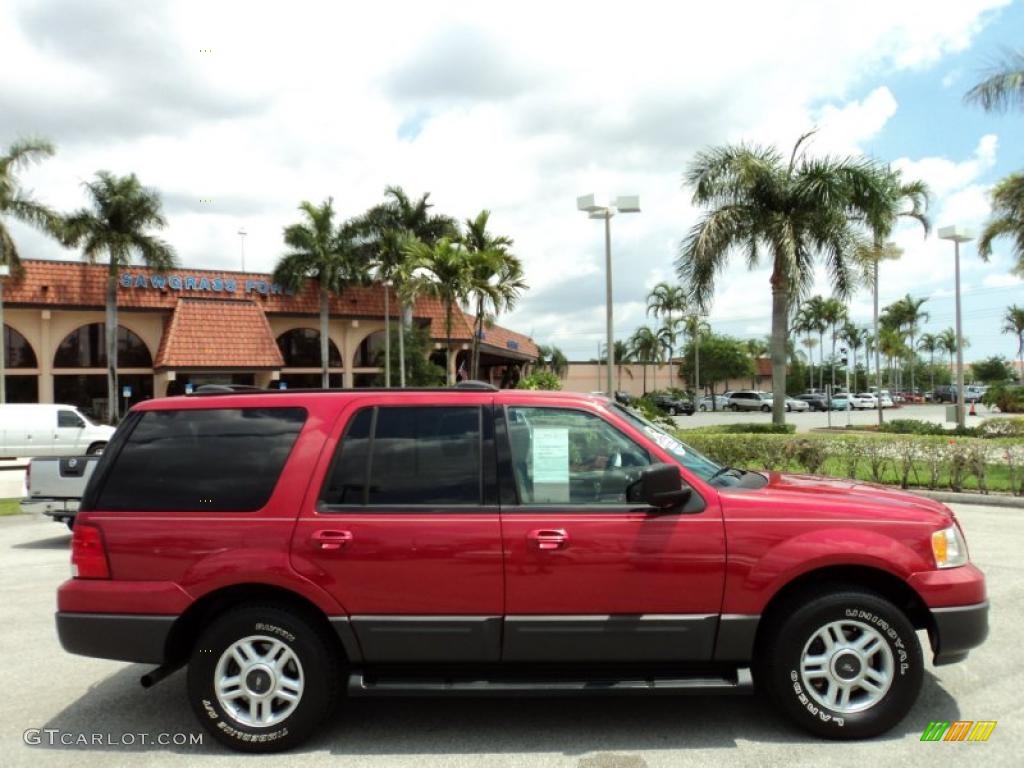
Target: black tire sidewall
[783,667]
[320,670]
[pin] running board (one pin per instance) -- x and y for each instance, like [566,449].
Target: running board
[360,686]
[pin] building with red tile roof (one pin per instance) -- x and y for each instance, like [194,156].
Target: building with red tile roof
[187,327]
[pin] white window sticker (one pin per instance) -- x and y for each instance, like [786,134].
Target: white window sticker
[551,455]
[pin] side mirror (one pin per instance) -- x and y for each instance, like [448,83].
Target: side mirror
[661,486]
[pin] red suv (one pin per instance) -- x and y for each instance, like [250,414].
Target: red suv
[291,546]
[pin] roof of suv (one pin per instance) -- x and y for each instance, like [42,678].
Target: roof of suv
[235,398]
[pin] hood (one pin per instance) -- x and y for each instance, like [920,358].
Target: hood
[831,496]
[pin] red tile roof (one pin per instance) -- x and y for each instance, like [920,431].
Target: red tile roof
[77,284]
[211,333]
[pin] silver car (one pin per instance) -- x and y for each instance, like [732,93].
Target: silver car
[720,403]
[750,400]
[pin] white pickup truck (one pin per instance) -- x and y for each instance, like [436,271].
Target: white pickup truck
[55,485]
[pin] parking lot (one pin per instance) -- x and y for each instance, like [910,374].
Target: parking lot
[810,420]
[49,689]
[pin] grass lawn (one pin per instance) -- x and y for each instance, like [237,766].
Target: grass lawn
[9,507]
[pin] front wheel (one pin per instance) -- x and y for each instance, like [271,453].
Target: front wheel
[261,678]
[846,665]
[766,408]
[671,411]
[95,449]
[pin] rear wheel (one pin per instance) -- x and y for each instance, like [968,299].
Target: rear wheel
[261,678]
[845,665]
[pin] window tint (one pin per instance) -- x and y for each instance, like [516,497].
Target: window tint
[346,482]
[222,460]
[571,457]
[424,456]
[69,419]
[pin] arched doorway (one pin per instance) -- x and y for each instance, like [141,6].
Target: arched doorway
[369,357]
[80,376]
[21,367]
[300,348]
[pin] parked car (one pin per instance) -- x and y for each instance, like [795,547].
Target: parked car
[720,403]
[795,404]
[623,397]
[886,400]
[54,486]
[974,392]
[672,405]
[945,393]
[749,400]
[866,400]
[42,429]
[816,401]
[841,402]
[289,546]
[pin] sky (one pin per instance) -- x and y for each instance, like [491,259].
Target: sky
[518,108]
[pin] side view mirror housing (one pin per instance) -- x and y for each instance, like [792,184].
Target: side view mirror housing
[661,486]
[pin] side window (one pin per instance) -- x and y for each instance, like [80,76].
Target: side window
[218,460]
[399,456]
[69,419]
[562,456]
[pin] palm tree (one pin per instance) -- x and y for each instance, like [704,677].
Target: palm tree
[833,313]
[807,321]
[1004,86]
[1013,322]
[668,336]
[443,270]
[794,212]
[496,281]
[695,327]
[854,336]
[623,354]
[385,229]
[814,316]
[1007,220]
[646,348]
[756,348]
[17,203]
[322,252]
[913,316]
[117,222]
[947,343]
[929,343]
[552,358]
[884,206]
[663,301]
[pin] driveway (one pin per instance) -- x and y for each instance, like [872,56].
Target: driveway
[49,689]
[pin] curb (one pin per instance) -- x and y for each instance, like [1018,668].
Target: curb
[983,499]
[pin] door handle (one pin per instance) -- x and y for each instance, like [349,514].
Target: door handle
[549,538]
[331,540]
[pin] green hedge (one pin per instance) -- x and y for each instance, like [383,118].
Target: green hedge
[995,427]
[920,461]
[747,428]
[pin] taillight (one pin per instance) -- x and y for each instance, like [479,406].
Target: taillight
[88,553]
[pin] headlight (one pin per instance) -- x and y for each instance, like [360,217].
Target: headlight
[949,547]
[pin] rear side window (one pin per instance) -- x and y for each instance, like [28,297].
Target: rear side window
[397,456]
[221,460]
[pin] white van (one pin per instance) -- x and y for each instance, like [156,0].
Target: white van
[43,429]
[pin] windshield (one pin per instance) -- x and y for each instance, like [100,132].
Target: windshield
[697,463]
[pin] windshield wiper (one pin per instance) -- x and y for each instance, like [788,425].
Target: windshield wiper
[724,470]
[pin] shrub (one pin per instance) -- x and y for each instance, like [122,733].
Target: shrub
[756,428]
[1004,427]
[540,380]
[1008,398]
[914,427]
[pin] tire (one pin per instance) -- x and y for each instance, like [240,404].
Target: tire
[311,667]
[765,408]
[788,407]
[801,689]
[70,523]
[95,449]
[671,411]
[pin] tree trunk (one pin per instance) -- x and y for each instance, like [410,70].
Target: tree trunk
[448,362]
[913,354]
[111,333]
[878,342]
[478,329]
[387,336]
[821,356]
[401,343]
[325,356]
[780,316]
[833,366]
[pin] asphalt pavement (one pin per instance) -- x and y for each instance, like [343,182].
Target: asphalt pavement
[48,689]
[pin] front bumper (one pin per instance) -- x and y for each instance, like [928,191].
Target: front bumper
[124,637]
[955,630]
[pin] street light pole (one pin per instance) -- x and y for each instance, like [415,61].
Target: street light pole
[601,210]
[241,236]
[958,235]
